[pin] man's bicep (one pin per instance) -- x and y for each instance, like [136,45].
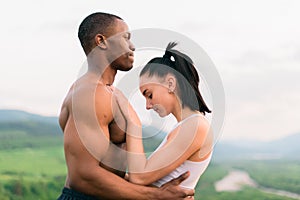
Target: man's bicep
[103,108]
[93,122]
[97,127]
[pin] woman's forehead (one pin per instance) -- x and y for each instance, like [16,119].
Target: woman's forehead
[146,79]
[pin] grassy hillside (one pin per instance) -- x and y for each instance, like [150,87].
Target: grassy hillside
[32,173]
[40,173]
[20,129]
[32,164]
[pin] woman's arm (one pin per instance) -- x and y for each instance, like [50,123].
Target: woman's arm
[182,142]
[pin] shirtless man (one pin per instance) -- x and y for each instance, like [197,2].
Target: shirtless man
[88,121]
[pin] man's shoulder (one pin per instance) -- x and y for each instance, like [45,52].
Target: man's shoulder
[103,93]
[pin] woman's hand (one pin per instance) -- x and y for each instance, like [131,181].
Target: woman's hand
[135,150]
[125,107]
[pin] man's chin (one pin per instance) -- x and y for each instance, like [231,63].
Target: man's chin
[125,69]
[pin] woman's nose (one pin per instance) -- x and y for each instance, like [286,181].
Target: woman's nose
[148,105]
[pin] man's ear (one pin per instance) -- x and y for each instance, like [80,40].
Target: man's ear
[171,81]
[101,41]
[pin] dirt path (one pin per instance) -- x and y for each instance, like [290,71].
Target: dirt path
[236,179]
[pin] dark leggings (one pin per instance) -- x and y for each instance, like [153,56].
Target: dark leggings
[69,194]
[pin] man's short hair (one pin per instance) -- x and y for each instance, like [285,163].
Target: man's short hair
[92,25]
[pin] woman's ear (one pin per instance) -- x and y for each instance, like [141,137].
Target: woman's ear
[171,81]
[101,41]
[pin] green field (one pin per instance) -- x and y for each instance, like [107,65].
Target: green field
[32,166]
[27,173]
[39,173]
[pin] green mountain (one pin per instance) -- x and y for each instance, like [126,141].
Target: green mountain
[23,129]
[18,115]
[152,137]
[19,129]
[32,124]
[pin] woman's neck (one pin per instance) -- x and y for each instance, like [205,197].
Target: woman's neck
[184,113]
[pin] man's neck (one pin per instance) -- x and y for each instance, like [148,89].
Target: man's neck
[99,66]
[106,77]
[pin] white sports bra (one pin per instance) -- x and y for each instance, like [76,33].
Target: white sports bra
[196,169]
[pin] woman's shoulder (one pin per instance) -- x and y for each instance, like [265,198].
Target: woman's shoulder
[195,120]
[195,123]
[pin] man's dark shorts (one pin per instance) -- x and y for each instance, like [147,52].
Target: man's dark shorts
[69,194]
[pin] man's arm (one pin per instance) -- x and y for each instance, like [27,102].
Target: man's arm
[63,117]
[103,184]
[115,160]
[87,143]
[64,112]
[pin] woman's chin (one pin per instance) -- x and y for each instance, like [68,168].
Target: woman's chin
[162,114]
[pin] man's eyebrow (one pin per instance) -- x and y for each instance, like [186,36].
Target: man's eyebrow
[144,92]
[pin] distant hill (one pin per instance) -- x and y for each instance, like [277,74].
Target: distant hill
[18,115]
[285,148]
[20,129]
[23,129]
[32,124]
[152,137]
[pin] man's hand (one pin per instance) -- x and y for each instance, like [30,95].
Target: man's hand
[172,190]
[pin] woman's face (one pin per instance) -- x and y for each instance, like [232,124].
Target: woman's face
[156,92]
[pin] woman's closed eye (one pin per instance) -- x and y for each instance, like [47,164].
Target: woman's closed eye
[147,94]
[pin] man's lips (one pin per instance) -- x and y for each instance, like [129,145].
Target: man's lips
[131,56]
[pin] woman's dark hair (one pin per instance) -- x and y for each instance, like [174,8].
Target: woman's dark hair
[183,69]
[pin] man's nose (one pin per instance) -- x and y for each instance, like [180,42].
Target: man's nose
[131,46]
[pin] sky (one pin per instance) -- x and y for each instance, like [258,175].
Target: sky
[255,46]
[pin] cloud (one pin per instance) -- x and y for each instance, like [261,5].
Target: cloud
[283,56]
[59,26]
[296,55]
[262,104]
[254,44]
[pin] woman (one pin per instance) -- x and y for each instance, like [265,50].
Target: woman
[170,86]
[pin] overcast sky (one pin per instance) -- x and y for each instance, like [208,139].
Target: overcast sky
[255,46]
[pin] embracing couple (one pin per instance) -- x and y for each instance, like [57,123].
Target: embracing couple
[103,134]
